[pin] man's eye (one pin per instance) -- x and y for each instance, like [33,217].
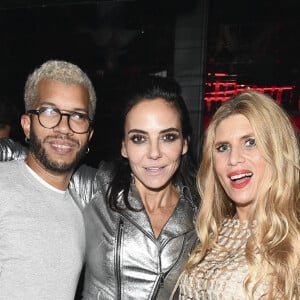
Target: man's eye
[48,111]
[78,116]
[222,147]
[251,143]
[138,139]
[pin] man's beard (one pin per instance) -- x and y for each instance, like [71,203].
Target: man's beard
[40,154]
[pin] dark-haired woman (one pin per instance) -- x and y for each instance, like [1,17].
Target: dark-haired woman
[139,223]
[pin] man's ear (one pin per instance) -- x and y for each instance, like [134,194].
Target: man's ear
[91,134]
[123,150]
[25,123]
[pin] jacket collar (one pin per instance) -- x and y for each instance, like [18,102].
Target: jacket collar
[180,222]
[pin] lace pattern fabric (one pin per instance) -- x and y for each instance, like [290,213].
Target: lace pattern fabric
[221,274]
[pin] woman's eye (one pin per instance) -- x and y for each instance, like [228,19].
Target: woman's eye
[170,137]
[138,139]
[223,148]
[251,142]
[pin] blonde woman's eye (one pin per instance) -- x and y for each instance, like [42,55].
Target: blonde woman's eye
[222,148]
[251,143]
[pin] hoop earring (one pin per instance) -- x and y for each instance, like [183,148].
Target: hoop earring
[87,150]
[27,140]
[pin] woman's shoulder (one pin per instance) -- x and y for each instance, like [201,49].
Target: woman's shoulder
[106,170]
[190,196]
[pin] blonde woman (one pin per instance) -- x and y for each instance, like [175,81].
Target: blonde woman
[249,220]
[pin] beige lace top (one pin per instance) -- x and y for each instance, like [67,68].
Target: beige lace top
[221,274]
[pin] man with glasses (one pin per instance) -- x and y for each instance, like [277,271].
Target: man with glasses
[42,238]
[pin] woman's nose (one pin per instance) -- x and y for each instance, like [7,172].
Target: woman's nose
[154,150]
[236,156]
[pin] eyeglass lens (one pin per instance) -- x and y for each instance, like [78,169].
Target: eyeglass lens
[51,117]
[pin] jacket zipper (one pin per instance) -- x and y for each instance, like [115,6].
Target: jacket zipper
[117,260]
[160,281]
[159,285]
[162,276]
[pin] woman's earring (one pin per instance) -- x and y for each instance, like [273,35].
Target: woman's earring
[132,178]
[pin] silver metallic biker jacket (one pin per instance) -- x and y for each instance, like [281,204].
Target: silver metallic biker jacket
[11,150]
[124,260]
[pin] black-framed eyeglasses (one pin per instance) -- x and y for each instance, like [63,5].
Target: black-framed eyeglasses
[50,117]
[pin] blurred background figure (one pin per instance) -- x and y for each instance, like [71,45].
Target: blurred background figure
[9,120]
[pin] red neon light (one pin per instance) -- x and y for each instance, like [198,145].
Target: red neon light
[222,89]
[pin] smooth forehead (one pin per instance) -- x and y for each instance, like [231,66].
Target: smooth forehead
[150,105]
[153,111]
[52,85]
[234,126]
[62,94]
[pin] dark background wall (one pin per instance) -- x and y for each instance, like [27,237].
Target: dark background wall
[117,41]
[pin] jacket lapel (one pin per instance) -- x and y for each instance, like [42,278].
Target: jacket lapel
[178,224]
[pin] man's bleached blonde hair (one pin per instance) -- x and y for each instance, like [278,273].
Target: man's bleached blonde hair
[273,250]
[61,71]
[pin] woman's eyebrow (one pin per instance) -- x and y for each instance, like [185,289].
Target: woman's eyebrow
[169,130]
[137,131]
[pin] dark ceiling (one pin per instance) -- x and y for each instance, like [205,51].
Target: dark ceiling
[110,40]
[109,36]
[106,35]
[97,35]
